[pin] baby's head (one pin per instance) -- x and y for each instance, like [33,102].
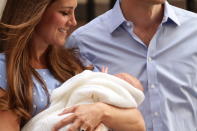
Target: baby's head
[127,77]
[130,79]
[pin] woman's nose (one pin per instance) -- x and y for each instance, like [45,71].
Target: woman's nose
[73,21]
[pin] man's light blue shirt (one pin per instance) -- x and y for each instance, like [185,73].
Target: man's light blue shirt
[167,67]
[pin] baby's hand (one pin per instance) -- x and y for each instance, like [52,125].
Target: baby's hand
[104,69]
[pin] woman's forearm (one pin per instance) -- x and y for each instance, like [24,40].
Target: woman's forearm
[122,119]
[9,121]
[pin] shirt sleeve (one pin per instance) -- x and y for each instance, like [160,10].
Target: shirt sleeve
[73,42]
[3,77]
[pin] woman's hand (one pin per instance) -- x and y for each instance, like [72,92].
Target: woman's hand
[86,117]
[9,121]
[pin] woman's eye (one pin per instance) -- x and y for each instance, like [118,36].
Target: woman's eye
[63,13]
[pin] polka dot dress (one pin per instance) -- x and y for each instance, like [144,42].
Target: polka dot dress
[40,98]
[39,95]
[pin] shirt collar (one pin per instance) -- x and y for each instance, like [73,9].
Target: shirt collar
[169,14]
[116,17]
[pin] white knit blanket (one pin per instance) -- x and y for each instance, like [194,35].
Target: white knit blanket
[85,88]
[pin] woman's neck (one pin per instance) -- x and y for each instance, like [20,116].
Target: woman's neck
[38,50]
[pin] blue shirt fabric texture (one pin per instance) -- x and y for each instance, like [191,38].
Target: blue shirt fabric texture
[39,96]
[167,68]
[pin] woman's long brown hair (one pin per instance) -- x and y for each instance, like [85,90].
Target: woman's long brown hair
[17,26]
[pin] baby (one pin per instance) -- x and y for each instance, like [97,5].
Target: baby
[85,88]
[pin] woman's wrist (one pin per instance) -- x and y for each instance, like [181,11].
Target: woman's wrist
[105,111]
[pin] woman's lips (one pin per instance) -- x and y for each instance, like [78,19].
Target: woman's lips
[63,30]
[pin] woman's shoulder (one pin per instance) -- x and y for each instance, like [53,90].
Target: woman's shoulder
[2,58]
[2,62]
[3,81]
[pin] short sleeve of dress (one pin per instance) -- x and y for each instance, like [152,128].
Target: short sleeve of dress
[3,80]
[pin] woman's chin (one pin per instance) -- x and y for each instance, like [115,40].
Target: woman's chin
[60,44]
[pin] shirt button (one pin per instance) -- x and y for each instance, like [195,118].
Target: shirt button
[34,93]
[149,59]
[152,86]
[42,100]
[128,24]
[49,90]
[34,106]
[156,114]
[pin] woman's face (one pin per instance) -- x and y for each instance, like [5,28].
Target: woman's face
[56,22]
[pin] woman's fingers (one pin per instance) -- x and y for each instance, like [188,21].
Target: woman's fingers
[80,125]
[75,125]
[69,119]
[84,127]
[68,110]
[101,127]
[85,117]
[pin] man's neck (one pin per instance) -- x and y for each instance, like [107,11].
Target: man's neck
[145,15]
[142,13]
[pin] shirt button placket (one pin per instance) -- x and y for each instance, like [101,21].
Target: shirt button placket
[153,91]
[152,86]
[156,114]
[149,59]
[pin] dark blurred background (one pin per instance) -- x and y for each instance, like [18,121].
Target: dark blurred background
[89,9]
